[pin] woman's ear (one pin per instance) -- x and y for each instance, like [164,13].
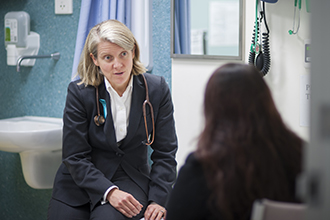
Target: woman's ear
[94,59]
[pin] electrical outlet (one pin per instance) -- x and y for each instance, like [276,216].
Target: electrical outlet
[63,7]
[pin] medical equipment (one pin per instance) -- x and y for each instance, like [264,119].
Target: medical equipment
[147,102]
[19,40]
[260,51]
[22,45]
[293,31]
[100,119]
[308,55]
[17,28]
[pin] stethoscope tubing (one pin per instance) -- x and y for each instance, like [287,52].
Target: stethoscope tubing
[147,102]
[100,120]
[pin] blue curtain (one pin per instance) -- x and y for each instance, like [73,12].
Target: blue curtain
[93,12]
[182,27]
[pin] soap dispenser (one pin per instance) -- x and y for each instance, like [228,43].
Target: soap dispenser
[19,40]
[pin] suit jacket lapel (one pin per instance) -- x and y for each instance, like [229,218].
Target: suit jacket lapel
[138,97]
[108,125]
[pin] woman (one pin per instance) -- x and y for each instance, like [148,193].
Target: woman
[105,172]
[245,151]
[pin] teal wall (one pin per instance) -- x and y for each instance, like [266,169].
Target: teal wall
[41,90]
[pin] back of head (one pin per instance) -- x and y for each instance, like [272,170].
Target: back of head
[237,94]
[112,31]
[246,149]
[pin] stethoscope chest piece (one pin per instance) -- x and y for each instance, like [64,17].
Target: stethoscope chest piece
[99,120]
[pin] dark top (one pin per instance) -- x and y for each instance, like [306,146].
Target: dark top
[189,197]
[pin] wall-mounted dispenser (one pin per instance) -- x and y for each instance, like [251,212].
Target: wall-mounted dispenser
[19,40]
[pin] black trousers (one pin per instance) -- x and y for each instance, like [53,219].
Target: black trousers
[58,210]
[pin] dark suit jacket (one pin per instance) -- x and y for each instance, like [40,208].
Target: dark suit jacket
[91,155]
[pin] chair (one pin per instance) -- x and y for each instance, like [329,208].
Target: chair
[266,209]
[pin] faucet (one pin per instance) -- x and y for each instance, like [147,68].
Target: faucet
[54,56]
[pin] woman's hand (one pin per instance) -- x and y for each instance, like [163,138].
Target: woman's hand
[155,212]
[124,202]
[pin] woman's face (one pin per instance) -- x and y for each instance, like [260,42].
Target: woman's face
[115,63]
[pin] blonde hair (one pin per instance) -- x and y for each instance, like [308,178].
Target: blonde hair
[112,31]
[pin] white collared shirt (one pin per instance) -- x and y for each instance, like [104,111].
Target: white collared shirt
[120,108]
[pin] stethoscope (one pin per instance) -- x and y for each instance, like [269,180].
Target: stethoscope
[100,120]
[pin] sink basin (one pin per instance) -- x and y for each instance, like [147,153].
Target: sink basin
[38,140]
[30,133]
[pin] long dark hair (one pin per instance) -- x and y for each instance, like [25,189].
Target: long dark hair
[246,150]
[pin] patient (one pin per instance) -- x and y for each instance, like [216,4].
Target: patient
[245,151]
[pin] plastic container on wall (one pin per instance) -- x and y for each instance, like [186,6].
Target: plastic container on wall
[17,28]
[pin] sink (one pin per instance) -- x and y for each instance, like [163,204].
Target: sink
[30,133]
[38,140]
